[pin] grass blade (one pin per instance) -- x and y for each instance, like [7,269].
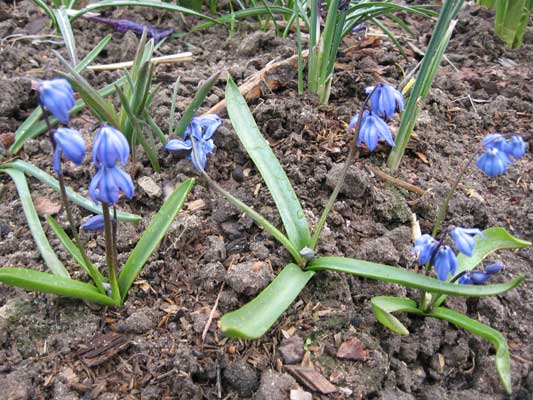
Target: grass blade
[63,23]
[39,174]
[407,278]
[269,167]
[152,236]
[255,318]
[49,256]
[44,282]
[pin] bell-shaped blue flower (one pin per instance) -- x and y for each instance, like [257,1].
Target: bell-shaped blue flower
[445,263]
[57,97]
[373,128]
[516,147]
[493,162]
[199,132]
[494,140]
[109,147]
[476,277]
[464,239]
[385,100]
[95,223]
[70,143]
[108,182]
[424,247]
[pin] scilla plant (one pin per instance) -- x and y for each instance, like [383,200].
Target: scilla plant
[256,317]
[110,152]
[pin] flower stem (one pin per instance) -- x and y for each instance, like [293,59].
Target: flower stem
[110,252]
[349,160]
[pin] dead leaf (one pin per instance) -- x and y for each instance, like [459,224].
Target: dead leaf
[352,349]
[45,206]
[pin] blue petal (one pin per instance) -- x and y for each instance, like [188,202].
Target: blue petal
[57,160]
[445,263]
[178,144]
[123,181]
[71,143]
[95,183]
[479,278]
[424,247]
[202,158]
[57,97]
[210,123]
[95,223]
[493,268]
[110,146]
[516,147]
[493,162]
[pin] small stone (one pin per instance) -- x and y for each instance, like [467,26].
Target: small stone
[292,349]
[249,278]
[215,250]
[138,322]
[241,377]
[356,184]
[238,174]
[211,274]
[300,395]
[149,186]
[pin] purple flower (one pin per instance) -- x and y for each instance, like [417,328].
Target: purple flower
[108,182]
[124,25]
[385,100]
[95,223]
[445,263]
[109,147]
[373,128]
[70,143]
[464,239]
[424,247]
[57,97]
[201,129]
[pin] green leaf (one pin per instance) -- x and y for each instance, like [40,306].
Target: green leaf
[384,306]
[512,17]
[269,167]
[152,236]
[69,245]
[39,174]
[503,362]
[63,23]
[195,103]
[48,10]
[50,258]
[255,318]
[33,127]
[407,278]
[44,282]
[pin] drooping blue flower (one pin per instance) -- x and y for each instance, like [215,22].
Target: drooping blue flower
[445,262]
[493,162]
[109,147]
[199,131]
[385,100]
[373,128]
[108,182]
[424,247]
[477,277]
[516,147]
[95,223]
[70,143]
[57,96]
[494,140]
[464,239]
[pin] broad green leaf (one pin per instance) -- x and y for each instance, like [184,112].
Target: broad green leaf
[49,256]
[384,306]
[152,236]
[503,361]
[69,245]
[31,127]
[407,278]
[63,23]
[44,282]
[269,167]
[195,103]
[39,174]
[255,318]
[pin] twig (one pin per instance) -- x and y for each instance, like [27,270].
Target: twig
[395,181]
[212,314]
[172,58]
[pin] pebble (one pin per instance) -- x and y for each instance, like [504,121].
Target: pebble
[249,278]
[150,187]
[292,349]
[138,322]
[275,386]
[242,377]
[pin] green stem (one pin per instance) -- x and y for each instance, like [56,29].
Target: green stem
[109,254]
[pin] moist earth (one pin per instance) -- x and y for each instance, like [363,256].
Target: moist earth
[212,251]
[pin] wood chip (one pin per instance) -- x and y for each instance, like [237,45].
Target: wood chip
[352,349]
[422,157]
[104,348]
[312,379]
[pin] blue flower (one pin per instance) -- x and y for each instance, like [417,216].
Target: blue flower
[372,129]
[57,97]
[70,143]
[493,162]
[494,140]
[108,182]
[425,246]
[95,223]
[476,277]
[201,130]
[445,263]
[109,147]
[464,239]
[385,100]
[516,147]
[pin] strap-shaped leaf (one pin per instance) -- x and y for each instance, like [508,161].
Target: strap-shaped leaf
[29,279]
[269,167]
[503,362]
[39,174]
[407,278]
[152,236]
[63,23]
[384,306]
[49,256]
[255,318]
